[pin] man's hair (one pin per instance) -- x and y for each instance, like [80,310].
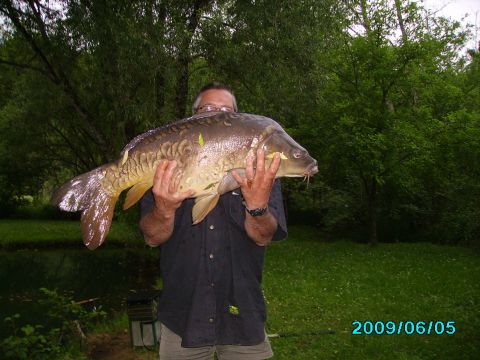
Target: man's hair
[210,86]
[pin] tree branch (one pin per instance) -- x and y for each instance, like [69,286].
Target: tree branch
[58,77]
[25,66]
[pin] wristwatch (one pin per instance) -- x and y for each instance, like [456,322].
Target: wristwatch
[257,211]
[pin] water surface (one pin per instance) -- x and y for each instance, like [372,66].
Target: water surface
[108,274]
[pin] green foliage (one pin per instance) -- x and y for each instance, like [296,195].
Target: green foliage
[377,91]
[390,90]
[59,338]
[29,342]
[64,313]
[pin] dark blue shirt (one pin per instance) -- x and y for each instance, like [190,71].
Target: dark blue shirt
[212,273]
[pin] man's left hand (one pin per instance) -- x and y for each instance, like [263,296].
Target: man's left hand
[257,184]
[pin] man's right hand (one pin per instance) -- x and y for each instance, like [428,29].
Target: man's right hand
[157,225]
[165,189]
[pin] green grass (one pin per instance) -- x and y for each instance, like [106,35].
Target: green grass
[16,234]
[117,322]
[311,284]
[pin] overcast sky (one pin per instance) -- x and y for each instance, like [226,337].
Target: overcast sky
[457,9]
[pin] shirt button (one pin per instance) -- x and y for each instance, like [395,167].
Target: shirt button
[212,227]
[212,284]
[211,256]
[211,320]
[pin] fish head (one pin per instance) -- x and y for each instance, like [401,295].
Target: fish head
[295,160]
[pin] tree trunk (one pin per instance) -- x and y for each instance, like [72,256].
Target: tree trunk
[182,88]
[398,7]
[184,58]
[365,19]
[370,188]
[401,24]
[157,30]
[372,213]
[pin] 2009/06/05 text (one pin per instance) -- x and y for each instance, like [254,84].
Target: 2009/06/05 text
[403,327]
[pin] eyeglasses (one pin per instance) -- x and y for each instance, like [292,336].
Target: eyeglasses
[208,108]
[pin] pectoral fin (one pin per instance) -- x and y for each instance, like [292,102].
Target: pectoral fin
[135,193]
[229,183]
[203,205]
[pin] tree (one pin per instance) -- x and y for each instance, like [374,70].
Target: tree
[381,121]
[374,89]
[93,74]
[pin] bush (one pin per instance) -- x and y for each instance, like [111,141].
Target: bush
[59,339]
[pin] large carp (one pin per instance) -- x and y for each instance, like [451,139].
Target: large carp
[206,147]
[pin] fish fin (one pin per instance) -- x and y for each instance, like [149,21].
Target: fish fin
[125,157]
[96,220]
[85,193]
[229,183]
[203,205]
[135,193]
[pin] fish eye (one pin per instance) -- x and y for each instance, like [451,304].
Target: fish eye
[297,154]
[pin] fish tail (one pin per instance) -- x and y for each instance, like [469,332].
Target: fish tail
[85,193]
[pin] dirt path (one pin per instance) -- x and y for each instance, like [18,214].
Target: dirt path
[116,346]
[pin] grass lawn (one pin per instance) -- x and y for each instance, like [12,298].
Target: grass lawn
[311,284]
[57,233]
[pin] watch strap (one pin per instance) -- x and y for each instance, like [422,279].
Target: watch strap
[256,211]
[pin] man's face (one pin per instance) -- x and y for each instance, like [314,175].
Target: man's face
[216,100]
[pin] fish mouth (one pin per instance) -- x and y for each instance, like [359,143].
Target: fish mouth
[311,170]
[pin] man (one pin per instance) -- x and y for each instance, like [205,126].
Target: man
[212,300]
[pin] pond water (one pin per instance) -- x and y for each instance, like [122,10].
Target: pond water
[111,275]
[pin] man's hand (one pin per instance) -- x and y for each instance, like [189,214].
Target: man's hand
[157,225]
[165,189]
[257,185]
[256,188]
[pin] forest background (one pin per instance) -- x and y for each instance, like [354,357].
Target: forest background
[382,93]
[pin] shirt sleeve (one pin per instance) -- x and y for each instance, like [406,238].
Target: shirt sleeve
[146,203]
[275,206]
